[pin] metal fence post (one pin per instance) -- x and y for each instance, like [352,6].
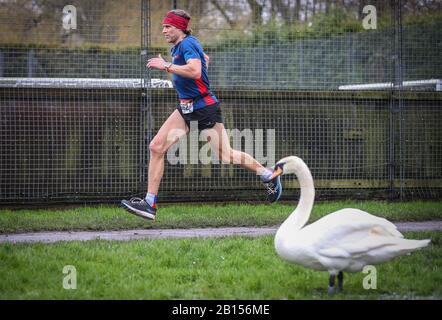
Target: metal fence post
[398,80]
[146,101]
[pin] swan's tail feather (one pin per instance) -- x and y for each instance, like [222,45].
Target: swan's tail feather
[405,246]
[399,247]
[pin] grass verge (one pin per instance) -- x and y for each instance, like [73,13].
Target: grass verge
[105,217]
[225,268]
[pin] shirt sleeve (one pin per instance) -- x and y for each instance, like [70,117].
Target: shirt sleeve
[190,51]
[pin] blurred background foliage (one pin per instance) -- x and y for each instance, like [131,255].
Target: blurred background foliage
[118,23]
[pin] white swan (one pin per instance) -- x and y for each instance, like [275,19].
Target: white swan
[343,241]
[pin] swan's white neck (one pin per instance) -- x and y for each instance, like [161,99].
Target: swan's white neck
[301,214]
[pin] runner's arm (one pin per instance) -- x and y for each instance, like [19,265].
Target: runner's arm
[192,69]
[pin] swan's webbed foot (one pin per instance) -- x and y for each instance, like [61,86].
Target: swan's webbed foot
[331,290]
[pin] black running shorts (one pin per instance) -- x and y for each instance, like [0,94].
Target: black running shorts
[207,117]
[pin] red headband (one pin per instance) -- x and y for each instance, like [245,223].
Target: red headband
[176,20]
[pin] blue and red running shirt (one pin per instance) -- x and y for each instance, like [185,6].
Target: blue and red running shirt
[190,48]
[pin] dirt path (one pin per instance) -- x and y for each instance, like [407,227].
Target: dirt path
[124,235]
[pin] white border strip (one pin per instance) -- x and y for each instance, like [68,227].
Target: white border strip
[388,85]
[81,83]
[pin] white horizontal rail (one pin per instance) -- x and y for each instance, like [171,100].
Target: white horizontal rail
[81,83]
[388,85]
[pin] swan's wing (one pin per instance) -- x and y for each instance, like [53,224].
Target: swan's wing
[351,220]
[349,239]
[368,250]
[334,252]
[360,243]
[349,232]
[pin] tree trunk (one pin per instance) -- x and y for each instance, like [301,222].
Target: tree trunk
[256,12]
[298,10]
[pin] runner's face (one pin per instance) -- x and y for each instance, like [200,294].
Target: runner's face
[171,33]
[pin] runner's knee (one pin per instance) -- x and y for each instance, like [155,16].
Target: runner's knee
[156,147]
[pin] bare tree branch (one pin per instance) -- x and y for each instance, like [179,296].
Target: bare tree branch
[223,12]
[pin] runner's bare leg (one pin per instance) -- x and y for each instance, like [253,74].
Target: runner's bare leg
[170,132]
[220,144]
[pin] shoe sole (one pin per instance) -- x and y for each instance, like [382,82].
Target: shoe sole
[138,213]
[280,193]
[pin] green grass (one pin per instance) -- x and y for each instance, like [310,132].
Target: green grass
[197,215]
[225,268]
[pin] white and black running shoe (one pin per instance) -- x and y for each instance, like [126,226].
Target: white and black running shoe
[140,208]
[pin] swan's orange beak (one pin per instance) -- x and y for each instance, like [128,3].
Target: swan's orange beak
[278,171]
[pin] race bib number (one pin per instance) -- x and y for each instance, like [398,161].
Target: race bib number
[186,106]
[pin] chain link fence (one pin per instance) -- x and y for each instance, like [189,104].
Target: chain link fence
[352,87]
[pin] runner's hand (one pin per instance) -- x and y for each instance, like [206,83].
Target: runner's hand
[156,63]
